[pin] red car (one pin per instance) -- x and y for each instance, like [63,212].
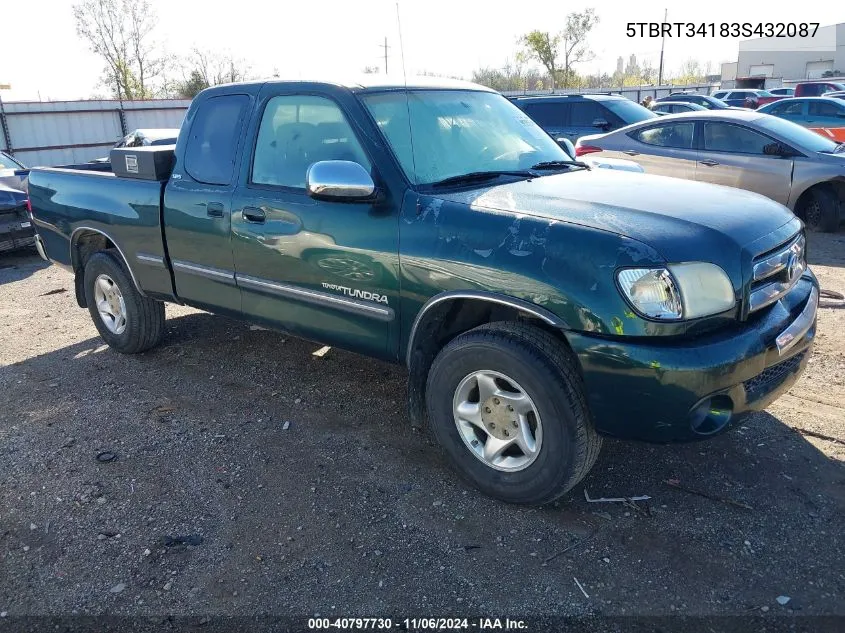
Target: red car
[817,88]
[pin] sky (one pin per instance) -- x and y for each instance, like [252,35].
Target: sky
[305,38]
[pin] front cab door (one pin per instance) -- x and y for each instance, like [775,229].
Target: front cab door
[320,269]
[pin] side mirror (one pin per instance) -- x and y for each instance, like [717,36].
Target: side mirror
[567,146]
[341,180]
[601,123]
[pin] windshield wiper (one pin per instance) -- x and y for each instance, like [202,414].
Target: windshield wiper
[557,164]
[481,176]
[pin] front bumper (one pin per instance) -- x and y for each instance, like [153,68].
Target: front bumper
[692,389]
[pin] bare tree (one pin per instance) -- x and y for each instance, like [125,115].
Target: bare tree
[121,33]
[574,42]
[202,69]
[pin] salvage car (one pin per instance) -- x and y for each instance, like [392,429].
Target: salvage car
[746,98]
[538,304]
[16,230]
[705,101]
[573,116]
[820,114]
[817,88]
[13,173]
[744,149]
[674,107]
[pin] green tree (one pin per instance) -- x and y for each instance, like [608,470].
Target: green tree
[543,47]
[571,44]
[574,42]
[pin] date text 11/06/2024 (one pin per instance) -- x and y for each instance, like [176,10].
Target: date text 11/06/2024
[721,29]
[418,624]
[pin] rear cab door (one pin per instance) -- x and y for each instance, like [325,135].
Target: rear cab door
[197,201]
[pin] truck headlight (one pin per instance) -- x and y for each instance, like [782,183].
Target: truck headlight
[679,291]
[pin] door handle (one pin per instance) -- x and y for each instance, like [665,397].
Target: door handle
[709,162]
[631,152]
[214,209]
[254,214]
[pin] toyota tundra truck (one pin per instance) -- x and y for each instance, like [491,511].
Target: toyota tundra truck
[537,303]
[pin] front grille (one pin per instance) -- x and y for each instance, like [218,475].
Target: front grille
[776,272]
[771,377]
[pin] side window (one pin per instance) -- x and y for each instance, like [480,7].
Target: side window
[723,137]
[719,95]
[813,90]
[822,108]
[297,131]
[213,139]
[583,114]
[547,114]
[794,108]
[675,135]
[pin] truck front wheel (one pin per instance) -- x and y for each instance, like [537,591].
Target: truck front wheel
[506,403]
[127,321]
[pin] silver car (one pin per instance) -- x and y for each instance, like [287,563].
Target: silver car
[738,148]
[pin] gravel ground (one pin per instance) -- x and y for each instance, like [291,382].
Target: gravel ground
[252,477]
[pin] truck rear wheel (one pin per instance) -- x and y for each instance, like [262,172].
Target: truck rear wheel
[506,403]
[127,321]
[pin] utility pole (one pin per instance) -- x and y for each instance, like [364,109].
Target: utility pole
[4,124]
[385,47]
[662,44]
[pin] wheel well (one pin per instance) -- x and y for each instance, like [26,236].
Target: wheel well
[85,244]
[442,323]
[837,186]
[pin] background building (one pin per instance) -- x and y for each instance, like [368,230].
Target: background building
[774,61]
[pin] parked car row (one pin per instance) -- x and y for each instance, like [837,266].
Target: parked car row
[738,148]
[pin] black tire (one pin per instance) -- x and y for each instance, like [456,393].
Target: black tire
[144,316]
[547,371]
[820,209]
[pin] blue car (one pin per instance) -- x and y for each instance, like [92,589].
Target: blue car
[809,111]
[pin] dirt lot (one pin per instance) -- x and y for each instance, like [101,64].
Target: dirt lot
[348,511]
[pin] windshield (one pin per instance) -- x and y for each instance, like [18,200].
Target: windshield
[796,134]
[455,132]
[628,111]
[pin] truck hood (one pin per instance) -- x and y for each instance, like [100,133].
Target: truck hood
[682,220]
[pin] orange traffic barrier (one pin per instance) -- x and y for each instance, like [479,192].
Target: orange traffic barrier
[833,133]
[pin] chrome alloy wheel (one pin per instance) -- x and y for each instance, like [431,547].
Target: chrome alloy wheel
[497,421]
[110,304]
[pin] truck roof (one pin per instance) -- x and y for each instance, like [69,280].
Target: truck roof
[367,82]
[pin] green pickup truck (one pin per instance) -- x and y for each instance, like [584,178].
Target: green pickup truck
[537,303]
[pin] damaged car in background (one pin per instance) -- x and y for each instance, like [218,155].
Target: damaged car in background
[537,303]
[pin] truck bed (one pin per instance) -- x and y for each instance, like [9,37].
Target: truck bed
[73,204]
